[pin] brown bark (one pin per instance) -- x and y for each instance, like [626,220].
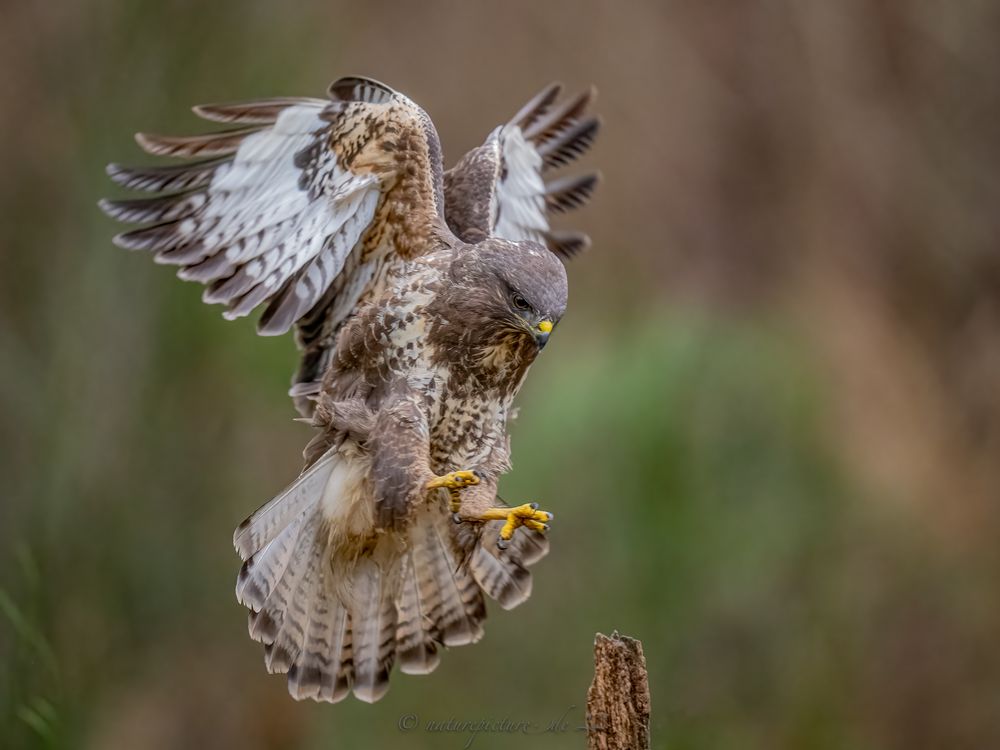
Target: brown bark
[618,698]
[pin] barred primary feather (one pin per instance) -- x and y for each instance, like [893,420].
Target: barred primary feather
[257,112]
[222,143]
[537,106]
[274,216]
[569,144]
[193,174]
[569,192]
[506,174]
[560,118]
[566,244]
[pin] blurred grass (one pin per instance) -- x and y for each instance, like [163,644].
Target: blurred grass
[33,667]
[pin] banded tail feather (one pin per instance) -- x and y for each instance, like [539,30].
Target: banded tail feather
[336,604]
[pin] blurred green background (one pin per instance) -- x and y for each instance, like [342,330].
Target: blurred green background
[769,425]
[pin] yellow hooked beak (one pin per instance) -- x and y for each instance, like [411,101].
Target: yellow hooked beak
[542,330]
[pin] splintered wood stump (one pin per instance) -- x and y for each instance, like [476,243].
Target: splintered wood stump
[618,698]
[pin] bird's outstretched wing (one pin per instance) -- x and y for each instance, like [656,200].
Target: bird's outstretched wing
[299,206]
[499,189]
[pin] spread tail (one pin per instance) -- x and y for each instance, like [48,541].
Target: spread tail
[336,603]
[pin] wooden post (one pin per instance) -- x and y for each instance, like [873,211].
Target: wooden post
[618,698]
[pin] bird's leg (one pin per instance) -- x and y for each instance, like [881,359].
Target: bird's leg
[454,482]
[527,515]
[479,508]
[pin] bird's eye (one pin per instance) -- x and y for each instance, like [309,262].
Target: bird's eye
[519,302]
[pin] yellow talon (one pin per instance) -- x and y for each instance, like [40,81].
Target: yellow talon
[507,532]
[455,480]
[520,515]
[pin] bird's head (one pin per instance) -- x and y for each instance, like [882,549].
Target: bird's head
[512,292]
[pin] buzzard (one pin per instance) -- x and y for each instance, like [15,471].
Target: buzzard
[419,300]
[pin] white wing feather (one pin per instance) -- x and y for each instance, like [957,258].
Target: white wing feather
[278,212]
[506,175]
[520,199]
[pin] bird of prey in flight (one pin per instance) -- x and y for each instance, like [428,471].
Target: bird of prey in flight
[419,300]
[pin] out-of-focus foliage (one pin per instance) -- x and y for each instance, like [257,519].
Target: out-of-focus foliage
[768,427]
